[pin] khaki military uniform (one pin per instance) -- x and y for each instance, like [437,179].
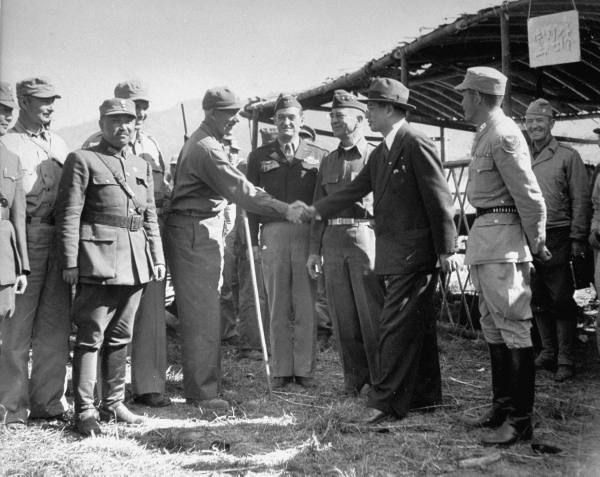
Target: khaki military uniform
[115,243]
[41,320]
[149,342]
[13,240]
[500,175]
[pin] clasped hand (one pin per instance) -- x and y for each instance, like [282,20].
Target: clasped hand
[298,212]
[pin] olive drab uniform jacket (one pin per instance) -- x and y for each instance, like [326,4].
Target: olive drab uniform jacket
[13,239]
[500,175]
[101,230]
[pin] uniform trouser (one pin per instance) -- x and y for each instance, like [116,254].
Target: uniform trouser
[552,301]
[409,368]
[228,295]
[7,304]
[355,298]
[195,255]
[324,323]
[291,297]
[104,315]
[41,323]
[504,295]
[248,326]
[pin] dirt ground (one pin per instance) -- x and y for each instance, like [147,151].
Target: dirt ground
[309,433]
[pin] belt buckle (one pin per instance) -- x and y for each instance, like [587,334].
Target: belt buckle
[136,223]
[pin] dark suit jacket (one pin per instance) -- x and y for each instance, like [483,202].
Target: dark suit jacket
[106,255]
[412,204]
[13,239]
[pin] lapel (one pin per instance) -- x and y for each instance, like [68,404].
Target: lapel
[386,165]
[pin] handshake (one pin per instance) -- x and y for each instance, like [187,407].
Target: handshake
[298,212]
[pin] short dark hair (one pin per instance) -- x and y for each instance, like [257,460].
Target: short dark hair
[491,100]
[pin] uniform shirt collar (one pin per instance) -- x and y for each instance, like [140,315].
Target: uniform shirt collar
[42,133]
[389,138]
[295,144]
[358,145]
[110,149]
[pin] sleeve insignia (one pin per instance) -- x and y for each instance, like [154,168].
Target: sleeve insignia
[510,143]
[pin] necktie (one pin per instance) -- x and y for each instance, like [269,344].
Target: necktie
[288,152]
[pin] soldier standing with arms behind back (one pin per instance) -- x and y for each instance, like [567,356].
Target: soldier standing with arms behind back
[14,264]
[347,244]
[110,247]
[563,180]
[510,214]
[41,321]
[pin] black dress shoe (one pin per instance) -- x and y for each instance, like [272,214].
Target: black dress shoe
[152,400]
[373,416]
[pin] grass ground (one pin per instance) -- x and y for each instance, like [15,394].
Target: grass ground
[307,433]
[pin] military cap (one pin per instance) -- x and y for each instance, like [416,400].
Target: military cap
[6,95]
[132,89]
[307,132]
[39,87]
[485,80]
[539,107]
[221,97]
[286,101]
[113,106]
[390,91]
[344,99]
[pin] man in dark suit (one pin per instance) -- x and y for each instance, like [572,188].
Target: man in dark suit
[414,231]
[110,246]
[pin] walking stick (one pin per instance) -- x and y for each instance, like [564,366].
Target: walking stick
[263,342]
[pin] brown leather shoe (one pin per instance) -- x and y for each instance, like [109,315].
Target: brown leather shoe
[87,423]
[152,400]
[492,418]
[308,383]
[15,426]
[373,416]
[120,413]
[510,432]
[564,373]
[215,404]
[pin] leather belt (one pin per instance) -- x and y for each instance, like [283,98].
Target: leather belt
[349,221]
[197,214]
[48,219]
[4,213]
[502,209]
[130,222]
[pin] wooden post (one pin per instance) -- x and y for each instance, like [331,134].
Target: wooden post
[443,143]
[505,49]
[254,137]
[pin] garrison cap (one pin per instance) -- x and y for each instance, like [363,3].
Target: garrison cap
[286,101]
[114,106]
[390,91]
[132,89]
[221,97]
[6,95]
[344,99]
[40,87]
[539,107]
[485,80]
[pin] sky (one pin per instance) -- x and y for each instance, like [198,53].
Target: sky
[182,47]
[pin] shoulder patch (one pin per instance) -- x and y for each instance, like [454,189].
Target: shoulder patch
[510,143]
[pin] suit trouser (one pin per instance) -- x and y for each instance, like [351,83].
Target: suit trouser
[355,297]
[552,300]
[40,322]
[290,293]
[149,342]
[195,255]
[409,368]
[104,315]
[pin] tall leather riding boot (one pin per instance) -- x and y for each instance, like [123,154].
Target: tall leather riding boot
[84,378]
[517,425]
[501,396]
[546,325]
[114,367]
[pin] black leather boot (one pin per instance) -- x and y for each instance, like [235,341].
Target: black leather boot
[517,426]
[501,399]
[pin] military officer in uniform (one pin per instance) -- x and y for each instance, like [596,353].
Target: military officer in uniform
[110,247]
[563,180]
[414,230]
[149,341]
[41,321]
[204,182]
[287,168]
[510,215]
[346,243]
[14,264]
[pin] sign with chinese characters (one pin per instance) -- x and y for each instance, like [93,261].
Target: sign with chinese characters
[554,39]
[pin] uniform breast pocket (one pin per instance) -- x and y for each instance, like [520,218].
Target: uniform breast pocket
[107,190]
[330,182]
[483,163]
[9,179]
[98,251]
